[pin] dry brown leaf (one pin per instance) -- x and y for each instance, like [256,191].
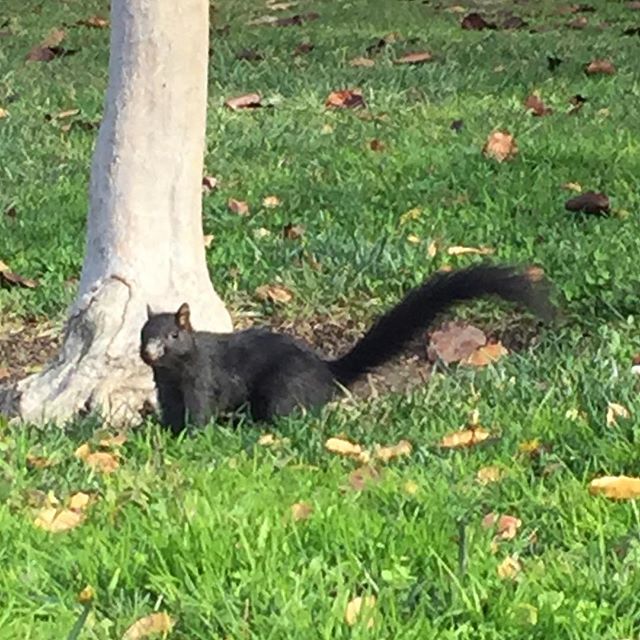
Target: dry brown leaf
[10,278]
[362,62]
[600,66]
[39,462]
[209,183]
[376,145]
[615,411]
[293,231]
[239,207]
[506,526]
[303,48]
[509,568]
[49,48]
[485,355]
[155,623]
[589,202]
[246,101]
[274,293]
[464,438]
[490,474]
[364,476]
[343,447]
[58,520]
[454,342]
[385,454]
[475,22]
[4,373]
[616,487]
[345,99]
[82,452]
[579,23]
[207,240]
[360,608]
[416,57]
[79,501]
[500,146]
[102,461]
[538,108]
[461,251]
[301,511]
[270,202]
[95,22]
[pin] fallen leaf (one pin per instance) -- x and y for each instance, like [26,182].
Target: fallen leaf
[246,101]
[533,448]
[155,623]
[9,278]
[600,66]
[95,22]
[488,475]
[4,373]
[361,62]
[538,108]
[249,55]
[475,22]
[415,57]
[86,595]
[343,447]
[464,438]
[281,6]
[301,511]
[509,568]
[579,23]
[39,462]
[501,146]
[209,183]
[270,202]
[50,48]
[239,207]
[3,113]
[292,231]
[385,454]
[376,145]
[360,608]
[79,501]
[262,232]
[303,48]
[485,355]
[572,186]
[364,476]
[82,452]
[454,342]
[113,441]
[345,99]
[274,293]
[58,520]
[506,526]
[461,251]
[412,238]
[616,487]
[432,249]
[411,214]
[207,240]
[270,440]
[102,461]
[589,202]
[615,411]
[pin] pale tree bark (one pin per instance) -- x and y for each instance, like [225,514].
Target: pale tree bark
[144,232]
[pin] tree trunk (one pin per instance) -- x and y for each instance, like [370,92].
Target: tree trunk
[144,232]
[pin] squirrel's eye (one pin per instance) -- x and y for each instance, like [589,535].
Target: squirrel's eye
[175,335]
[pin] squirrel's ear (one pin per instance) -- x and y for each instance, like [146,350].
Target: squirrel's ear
[149,312]
[183,317]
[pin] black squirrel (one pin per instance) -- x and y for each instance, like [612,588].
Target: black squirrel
[199,375]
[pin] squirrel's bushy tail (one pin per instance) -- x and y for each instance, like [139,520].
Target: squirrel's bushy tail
[417,311]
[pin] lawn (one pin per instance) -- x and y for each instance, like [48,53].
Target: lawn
[201,527]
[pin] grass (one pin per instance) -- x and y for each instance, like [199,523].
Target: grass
[200,526]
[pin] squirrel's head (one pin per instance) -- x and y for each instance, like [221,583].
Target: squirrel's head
[166,338]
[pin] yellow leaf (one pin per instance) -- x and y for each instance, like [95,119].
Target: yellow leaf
[615,411]
[270,202]
[3,113]
[461,251]
[432,249]
[487,475]
[403,448]
[572,186]
[159,622]
[360,608]
[485,355]
[79,501]
[346,448]
[464,438]
[412,214]
[207,240]
[509,568]
[301,511]
[57,520]
[82,452]
[87,595]
[412,238]
[616,487]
